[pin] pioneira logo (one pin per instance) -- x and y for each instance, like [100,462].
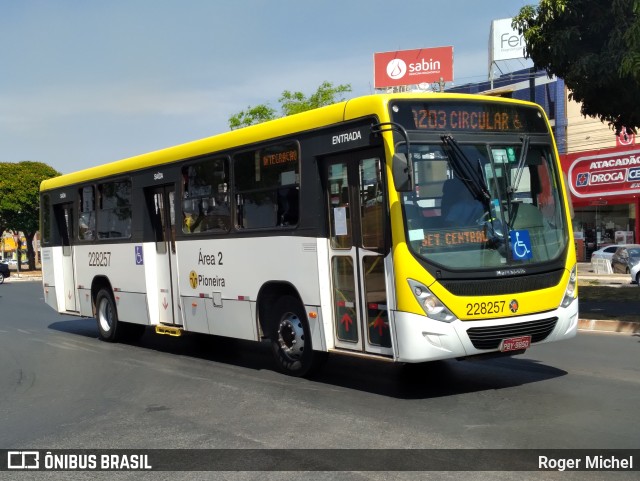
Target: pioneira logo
[396,69]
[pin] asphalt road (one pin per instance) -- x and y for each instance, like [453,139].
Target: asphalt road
[60,387]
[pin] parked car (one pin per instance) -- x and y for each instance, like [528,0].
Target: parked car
[625,258]
[635,274]
[605,252]
[4,272]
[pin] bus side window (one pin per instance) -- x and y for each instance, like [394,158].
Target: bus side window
[86,214]
[288,199]
[205,196]
[267,187]
[45,215]
[114,212]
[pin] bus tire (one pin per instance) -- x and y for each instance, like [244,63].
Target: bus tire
[107,316]
[291,339]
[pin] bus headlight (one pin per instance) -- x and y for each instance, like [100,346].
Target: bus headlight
[432,306]
[571,293]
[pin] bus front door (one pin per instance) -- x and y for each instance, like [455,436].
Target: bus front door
[357,250]
[63,214]
[161,207]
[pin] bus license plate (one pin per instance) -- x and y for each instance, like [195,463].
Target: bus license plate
[516,343]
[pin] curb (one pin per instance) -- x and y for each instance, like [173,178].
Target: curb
[623,327]
[15,278]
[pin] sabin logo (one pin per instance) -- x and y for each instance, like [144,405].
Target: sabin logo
[396,69]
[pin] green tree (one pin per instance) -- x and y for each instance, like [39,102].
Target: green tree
[252,115]
[594,46]
[290,103]
[20,200]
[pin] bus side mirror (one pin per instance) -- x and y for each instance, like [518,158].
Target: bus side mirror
[402,172]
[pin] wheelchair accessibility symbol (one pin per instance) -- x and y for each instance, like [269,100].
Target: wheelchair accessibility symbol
[520,245]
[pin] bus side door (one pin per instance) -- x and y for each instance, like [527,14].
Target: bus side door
[64,217]
[162,287]
[357,249]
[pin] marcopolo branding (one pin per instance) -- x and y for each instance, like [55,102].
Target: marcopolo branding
[511,272]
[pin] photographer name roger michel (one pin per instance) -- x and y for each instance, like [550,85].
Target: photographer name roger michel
[587,463]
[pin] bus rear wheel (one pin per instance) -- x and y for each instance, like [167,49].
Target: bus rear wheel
[110,328]
[291,339]
[106,316]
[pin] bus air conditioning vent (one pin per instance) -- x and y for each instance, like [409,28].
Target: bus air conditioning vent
[507,285]
[490,337]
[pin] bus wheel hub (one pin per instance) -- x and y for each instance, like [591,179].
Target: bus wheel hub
[291,336]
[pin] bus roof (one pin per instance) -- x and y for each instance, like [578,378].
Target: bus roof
[346,110]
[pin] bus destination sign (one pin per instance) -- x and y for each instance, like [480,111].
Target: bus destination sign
[450,116]
[270,158]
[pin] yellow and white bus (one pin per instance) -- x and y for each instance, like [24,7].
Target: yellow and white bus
[410,227]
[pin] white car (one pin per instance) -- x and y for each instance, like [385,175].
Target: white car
[634,270]
[605,253]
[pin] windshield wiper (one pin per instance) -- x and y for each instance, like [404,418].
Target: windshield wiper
[463,167]
[523,157]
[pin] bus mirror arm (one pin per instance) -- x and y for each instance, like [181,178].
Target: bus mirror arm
[402,173]
[402,166]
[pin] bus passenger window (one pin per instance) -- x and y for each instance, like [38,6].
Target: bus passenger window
[87,214]
[288,206]
[267,187]
[45,213]
[205,197]
[114,212]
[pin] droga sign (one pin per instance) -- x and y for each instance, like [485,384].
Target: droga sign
[411,67]
[616,172]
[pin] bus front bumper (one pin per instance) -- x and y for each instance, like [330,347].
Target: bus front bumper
[420,339]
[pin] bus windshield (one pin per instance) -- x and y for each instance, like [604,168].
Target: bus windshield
[484,205]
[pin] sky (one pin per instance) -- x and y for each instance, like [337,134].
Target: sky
[85,82]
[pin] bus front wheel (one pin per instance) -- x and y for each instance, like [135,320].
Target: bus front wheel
[291,339]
